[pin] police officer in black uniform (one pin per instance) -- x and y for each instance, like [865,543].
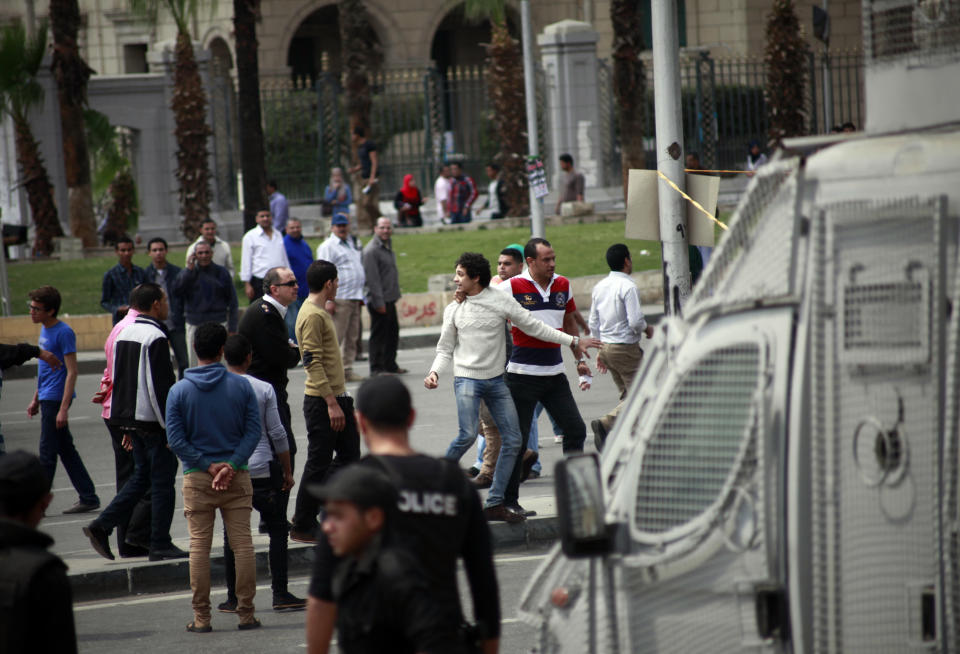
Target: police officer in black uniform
[439,520]
[384,603]
[36,607]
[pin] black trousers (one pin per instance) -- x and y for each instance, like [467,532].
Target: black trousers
[272,506]
[322,443]
[178,341]
[553,391]
[137,528]
[384,339]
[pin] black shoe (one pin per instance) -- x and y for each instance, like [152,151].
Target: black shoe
[473,471]
[127,551]
[230,606]
[262,527]
[133,541]
[302,536]
[99,539]
[502,513]
[599,434]
[167,553]
[81,507]
[516,508]
[286,601]
[529,458]
[253,624]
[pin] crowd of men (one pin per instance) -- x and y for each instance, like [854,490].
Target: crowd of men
[168,398]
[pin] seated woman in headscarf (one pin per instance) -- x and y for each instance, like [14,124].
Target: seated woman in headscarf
[408,201]
[337,196]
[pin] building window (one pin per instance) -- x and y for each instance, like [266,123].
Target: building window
[135,58]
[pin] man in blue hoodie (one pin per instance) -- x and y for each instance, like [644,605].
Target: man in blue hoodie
[213,426]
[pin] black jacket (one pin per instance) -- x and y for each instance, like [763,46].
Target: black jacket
[272,353]
[36,610]
[142,375]
[15,355]
[176,301]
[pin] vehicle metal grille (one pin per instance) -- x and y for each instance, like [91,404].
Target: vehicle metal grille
[694,454]
[752,260]
[914,29]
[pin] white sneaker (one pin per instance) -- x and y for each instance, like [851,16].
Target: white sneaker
[558,439]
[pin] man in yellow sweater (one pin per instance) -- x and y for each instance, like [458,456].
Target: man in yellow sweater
[327,407]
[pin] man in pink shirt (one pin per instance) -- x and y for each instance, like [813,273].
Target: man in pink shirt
[133,538]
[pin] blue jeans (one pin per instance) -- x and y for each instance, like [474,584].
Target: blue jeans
[155,468]
[291,318]
[59,443]
[494,392]
[461,217]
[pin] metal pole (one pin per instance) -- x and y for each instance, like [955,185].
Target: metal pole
[827,80]
[529,90]
[670,155]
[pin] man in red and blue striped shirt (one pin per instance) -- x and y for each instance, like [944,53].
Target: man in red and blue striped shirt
[535,372]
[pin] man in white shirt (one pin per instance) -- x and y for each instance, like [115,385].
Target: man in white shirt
[616,318]
[222,256]
[262,248]
[344,252]
[441,191]
[473,338]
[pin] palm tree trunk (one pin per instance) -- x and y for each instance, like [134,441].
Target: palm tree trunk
[629,84]
[252,161]
[72,73]
[361,59]
[189,106]
[505,85]
[39,189]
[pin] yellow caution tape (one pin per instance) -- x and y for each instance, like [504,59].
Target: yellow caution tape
[691,200]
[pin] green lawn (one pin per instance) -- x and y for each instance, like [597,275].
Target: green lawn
[580,251]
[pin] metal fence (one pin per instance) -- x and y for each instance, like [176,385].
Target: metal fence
[421,117]
[724,107]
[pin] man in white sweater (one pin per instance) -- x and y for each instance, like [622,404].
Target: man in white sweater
[474,338]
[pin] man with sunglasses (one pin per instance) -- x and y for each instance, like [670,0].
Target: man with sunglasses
[273,352]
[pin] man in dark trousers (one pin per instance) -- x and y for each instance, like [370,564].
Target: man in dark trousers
[273,352]
[35,596]
[142,378]
[207,293]
[384,604]
[162,272]
[452,528]
[383,291]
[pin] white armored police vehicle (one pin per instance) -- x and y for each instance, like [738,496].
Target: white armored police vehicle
[785,476]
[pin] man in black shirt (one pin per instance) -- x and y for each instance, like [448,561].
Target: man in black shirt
[366,185]
[35,596]
[383,600]
[440,520]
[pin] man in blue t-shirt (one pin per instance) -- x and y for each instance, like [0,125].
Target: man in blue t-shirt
[55,392]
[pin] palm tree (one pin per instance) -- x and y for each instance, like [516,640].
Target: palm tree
[504,73]
[72,73]
[361,59]
[786,58]
[20,59]
[252,163]
[189,105]
[629,83]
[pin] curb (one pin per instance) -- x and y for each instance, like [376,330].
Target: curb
[170,576]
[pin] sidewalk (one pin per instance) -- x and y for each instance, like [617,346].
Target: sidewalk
[95,578]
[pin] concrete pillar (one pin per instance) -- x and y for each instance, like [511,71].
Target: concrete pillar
[568,52]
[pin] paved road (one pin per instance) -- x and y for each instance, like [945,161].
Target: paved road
[155,623]
[435,427]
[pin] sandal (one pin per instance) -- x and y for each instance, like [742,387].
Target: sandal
[197,629]
[243,626]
